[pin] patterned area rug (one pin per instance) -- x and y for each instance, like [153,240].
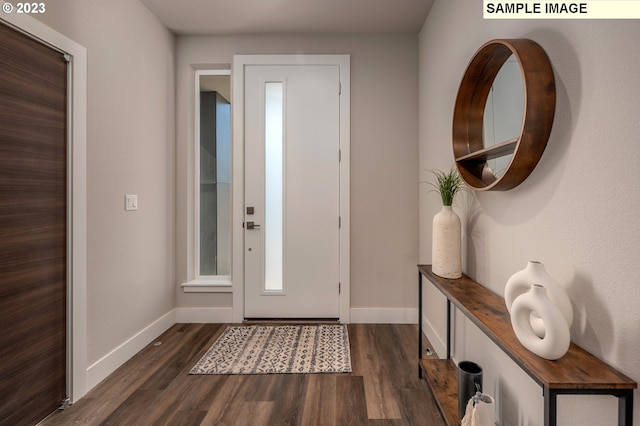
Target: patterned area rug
[262,349]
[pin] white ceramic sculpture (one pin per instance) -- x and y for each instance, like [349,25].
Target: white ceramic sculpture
[535,272]
[556,337]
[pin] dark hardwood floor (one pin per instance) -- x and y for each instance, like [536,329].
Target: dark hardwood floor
[154,387]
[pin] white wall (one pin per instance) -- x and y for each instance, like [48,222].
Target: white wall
[577,212]
[130,150]
[384,123]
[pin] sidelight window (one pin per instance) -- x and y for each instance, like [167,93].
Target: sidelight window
[213,175]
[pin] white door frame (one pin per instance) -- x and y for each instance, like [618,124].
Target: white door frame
[77,196]
[237,267]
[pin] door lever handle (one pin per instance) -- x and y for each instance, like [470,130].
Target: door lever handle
[251,225]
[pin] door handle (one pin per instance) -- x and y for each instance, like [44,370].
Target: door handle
[251,225]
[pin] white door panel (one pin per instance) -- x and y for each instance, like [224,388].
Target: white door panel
[304,255]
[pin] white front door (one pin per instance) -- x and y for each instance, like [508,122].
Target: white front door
[292,191]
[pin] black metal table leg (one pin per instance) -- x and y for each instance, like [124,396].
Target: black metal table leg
[550,407]
[625,408]
[625,403]
[448,329]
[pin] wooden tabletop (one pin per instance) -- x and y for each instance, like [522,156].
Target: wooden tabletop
[577,369]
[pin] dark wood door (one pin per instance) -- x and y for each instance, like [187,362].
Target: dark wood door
[33,228]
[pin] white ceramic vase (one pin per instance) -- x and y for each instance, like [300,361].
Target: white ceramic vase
[486,409]
[480,411]
[447,244]
[556,338]
[535,273]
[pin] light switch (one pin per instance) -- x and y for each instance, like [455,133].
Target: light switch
[130,202]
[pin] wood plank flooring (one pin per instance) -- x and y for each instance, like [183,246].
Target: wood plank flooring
[154,387]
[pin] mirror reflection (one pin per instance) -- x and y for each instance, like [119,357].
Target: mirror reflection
[503,113]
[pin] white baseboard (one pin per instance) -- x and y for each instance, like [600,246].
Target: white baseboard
[106,365]
[204,315]
[437,344]
[384,316]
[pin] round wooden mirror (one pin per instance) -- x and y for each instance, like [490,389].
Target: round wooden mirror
[519,155]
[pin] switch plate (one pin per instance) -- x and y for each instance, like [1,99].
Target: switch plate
[130,202]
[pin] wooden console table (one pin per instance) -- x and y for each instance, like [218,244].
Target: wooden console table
[577,372]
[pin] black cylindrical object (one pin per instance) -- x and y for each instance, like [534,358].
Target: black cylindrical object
[469,382]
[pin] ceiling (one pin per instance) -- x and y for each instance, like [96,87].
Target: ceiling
[291,16]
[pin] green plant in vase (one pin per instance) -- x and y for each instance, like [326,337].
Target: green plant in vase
[447,185]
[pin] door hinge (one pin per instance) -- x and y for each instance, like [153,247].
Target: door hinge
[339,155]
[339,288]
[339,222]
[340,88]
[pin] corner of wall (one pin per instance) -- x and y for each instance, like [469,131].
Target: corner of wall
[109,363]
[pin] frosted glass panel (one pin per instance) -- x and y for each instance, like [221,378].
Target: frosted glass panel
[273,182]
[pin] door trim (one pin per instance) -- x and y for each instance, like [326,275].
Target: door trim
[77,203]
[237,267]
